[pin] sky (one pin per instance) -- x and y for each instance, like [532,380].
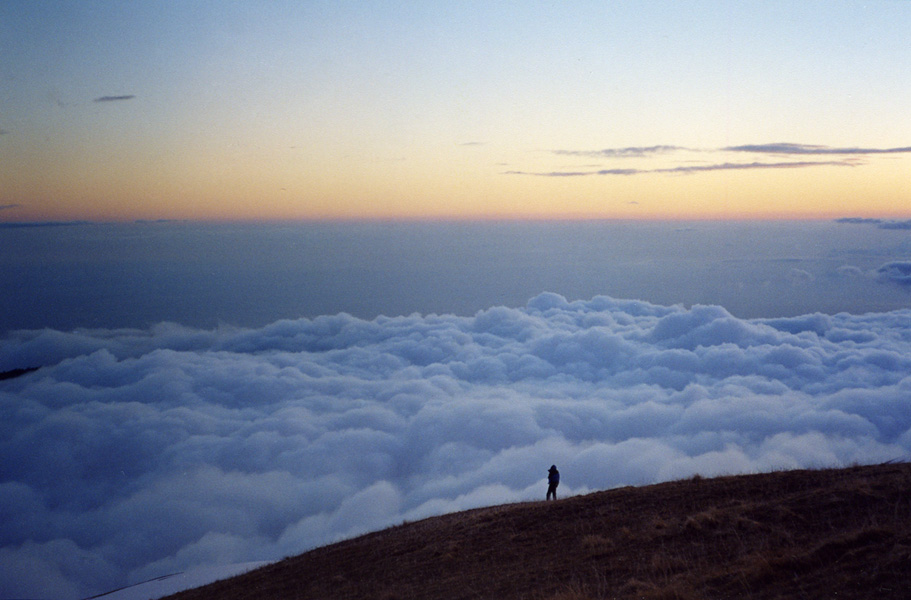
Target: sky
[117,275]
[221,110]
[137,453]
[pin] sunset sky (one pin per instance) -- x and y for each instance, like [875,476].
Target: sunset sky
[219,110]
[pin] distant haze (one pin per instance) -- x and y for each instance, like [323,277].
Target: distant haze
[107,275]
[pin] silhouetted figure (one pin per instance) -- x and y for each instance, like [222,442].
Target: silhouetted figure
[553,480]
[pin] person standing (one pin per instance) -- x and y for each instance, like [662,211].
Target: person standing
[553,480]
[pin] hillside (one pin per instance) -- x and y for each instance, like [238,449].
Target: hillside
[830,533]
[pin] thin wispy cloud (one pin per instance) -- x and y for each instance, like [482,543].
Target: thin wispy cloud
[775,148]
[630,152]
[859,221]
[880,223]
[578,173]
[848,157]
[785,148]
[690,169]
[754,165]
[9,206]
[114,98]
[34,224]
[904,225]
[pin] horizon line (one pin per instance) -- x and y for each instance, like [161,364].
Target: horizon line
[457,219]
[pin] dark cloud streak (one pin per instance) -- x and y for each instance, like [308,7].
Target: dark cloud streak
[850,158]
[114,98]
[32,224]
[902,225]
[880,223]
[787,148]
[689,169]
[753,165]
[859,221]
[896,272]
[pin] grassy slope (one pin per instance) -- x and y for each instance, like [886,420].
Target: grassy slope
[840,533]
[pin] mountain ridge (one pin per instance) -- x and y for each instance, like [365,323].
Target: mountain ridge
[812,533]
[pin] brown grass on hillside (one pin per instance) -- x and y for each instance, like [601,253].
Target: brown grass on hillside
[835,533]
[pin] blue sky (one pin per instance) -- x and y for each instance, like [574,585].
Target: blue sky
[287,110]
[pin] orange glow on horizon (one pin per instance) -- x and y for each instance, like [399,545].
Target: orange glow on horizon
[220,195]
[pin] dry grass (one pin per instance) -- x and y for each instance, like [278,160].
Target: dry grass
[842,533]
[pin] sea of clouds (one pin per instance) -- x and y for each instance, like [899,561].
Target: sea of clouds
[132,454]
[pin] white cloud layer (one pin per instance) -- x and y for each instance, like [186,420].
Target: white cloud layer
[136,453]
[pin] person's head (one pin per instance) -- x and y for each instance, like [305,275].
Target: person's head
[552,468]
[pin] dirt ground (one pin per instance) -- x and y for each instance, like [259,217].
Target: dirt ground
[832,533]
